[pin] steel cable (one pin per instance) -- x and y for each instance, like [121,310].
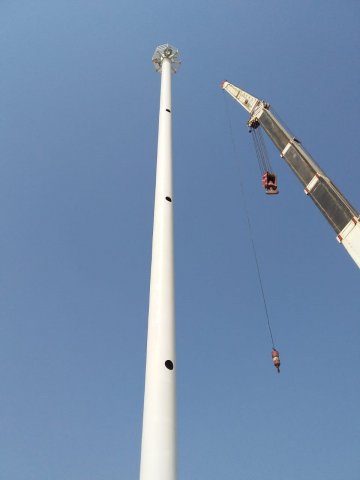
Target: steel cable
[250,229]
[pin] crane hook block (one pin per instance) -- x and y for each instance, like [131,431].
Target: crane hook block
[269,182]
[276,359]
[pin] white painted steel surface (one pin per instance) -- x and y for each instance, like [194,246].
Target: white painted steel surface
[244,98]
[158,448]
[350,238]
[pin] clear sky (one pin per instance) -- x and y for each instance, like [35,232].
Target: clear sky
[78,135]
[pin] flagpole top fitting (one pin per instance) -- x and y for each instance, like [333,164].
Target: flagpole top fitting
[169,52]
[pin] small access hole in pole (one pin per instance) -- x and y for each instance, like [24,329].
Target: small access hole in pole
[168,110]
[168,199]
[169,365]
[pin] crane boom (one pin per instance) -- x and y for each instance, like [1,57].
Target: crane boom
[344,219]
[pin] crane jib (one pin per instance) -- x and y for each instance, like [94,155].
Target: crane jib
[341,215]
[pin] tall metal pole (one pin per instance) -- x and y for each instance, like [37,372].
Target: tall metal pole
[158,447]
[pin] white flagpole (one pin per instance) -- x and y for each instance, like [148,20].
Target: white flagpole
[158,448]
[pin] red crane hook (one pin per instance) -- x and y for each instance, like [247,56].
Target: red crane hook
[276,359]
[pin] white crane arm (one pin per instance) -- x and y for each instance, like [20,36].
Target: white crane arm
[245,99]
[344,219]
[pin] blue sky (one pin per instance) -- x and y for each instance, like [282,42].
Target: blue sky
[78,139]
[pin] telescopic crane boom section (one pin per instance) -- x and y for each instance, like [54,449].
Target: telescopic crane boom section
[344,219]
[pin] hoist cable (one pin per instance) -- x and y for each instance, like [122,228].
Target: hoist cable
[250,230]
[264,150]
[261,151]
[258,154]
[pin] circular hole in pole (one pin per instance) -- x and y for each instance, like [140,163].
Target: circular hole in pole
[168,199]
[169,365]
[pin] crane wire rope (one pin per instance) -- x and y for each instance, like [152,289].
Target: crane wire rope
[261,151]
[250,229]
